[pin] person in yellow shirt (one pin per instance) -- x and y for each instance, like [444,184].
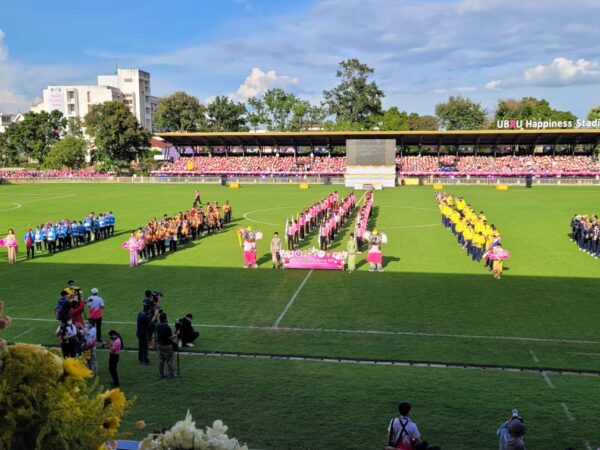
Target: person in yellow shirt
[478,242]
[454,219]
[460,228]
[468,244]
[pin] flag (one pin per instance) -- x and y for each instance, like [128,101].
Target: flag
[494,243]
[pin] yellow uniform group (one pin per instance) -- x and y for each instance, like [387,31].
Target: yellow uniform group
[473,231]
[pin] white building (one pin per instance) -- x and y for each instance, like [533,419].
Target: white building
[131,86]
[5,120]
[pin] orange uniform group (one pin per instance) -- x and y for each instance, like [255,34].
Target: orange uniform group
[160,235]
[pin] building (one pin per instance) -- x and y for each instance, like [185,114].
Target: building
[131,86]
[135,86]
[5,120]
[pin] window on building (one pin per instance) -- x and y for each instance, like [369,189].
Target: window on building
[128,80]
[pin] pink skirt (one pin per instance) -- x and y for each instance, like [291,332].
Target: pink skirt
[374,258]
[250,258]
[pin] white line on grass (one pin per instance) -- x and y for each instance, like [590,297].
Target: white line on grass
[535,358]
[23,333]
[374,332]
[547,380]
[18,205]
[292,300]
[568,413]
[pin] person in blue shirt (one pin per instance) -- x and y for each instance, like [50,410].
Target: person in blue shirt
[61,234]
[87,225]
[29,241]
[111,223]
[51,238]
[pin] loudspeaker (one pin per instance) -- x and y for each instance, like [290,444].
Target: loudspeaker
[529,181]
[327,180]
[223,180]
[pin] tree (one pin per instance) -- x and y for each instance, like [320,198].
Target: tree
[75,128]
[226,115]
[278,110]
[180,112]
[117,135]
[594,113]
[529,108]
[10,147]
[354,99]
[68,152]
[392,120]
[460,113]
[33,136]
[418,123]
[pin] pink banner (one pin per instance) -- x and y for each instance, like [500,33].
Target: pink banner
[313,259]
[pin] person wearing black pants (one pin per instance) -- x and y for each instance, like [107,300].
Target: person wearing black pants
[143,324]
[113,358]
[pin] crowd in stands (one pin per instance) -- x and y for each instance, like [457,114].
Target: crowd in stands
[509,165]
[88,172]
[336,165]
[255,165]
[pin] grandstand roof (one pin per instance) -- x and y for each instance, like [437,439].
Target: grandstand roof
[338,138]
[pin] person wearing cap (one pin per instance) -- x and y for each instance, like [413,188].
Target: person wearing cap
[511,433]
[374,256]
[95,305]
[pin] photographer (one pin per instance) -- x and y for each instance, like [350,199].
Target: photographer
[402,432]
[511,433]
[152,308]
[185,331]
[165,346]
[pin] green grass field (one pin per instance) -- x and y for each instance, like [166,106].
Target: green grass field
[432,304]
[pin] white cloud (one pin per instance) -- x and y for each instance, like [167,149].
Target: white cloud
[563,72]
[258,82]
[560,72]
[493,85]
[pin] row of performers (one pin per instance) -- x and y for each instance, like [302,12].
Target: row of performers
[159,236]
[479,238]
[61,235]
[585,231]
[362,219]
[327,214]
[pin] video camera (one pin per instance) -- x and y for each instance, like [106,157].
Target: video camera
[152,303]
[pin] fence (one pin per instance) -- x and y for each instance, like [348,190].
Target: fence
[274,179]
[468,180]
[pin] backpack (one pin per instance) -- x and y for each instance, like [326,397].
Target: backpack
[62,310]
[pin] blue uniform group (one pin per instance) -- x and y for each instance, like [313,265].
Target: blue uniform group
[585,231]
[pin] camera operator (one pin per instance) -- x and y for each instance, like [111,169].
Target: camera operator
[152,308]
[185,332]
[165,346]
[511,433]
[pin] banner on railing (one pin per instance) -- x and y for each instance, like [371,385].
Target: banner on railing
[313,259]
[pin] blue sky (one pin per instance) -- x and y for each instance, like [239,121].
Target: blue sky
[422,51]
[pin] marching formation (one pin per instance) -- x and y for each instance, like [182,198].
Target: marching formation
[328,215]
[161,235]
[480,239]
[53,237]
[585,231]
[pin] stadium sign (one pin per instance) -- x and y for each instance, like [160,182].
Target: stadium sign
[514,124]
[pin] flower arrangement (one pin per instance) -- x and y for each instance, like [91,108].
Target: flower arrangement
[48,402]
[185,436]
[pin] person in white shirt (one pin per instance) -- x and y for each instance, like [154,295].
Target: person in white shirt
[95,304]
[403,434]
[90,345]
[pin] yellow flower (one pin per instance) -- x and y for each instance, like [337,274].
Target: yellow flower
[140,424]
[114,397]
[75,368]
[111,424]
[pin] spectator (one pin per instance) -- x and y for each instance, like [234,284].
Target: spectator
[403,434]
[186,332]
[143,325]
[511,433]
[165,346]
[96,304]
[113,358]
[90,346]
